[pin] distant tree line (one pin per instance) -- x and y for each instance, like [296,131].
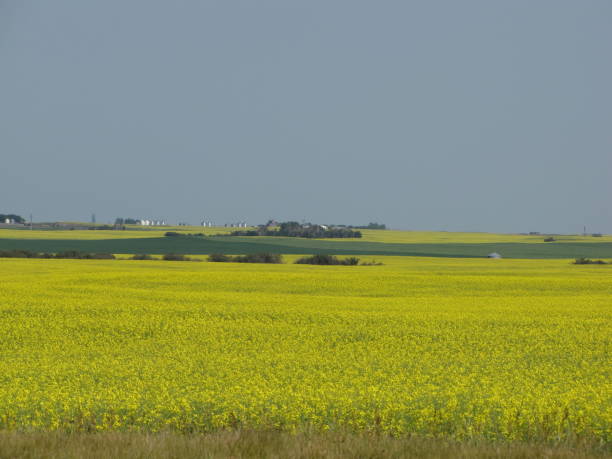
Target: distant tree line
[249,258]
[13,217]
[71,254]
[175,234]
[306,230]
[165,257]
[371,225]
[127,221]
[327,260]
[319,259]
[331,260]
[78,255]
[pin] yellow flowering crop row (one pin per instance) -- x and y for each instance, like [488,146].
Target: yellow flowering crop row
[497,348]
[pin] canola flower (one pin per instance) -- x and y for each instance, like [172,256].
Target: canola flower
[468,348]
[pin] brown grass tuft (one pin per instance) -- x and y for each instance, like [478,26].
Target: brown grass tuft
[273,444]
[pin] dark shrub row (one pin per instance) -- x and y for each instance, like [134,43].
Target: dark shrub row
[142,256]
[85,256]
[72,254]
[166,257]
[274,258]
[333,260]
[250,258]
[175,234]
[327,260]
[178,257]
[219,258]
[588,261]
[259,258]
[23,254]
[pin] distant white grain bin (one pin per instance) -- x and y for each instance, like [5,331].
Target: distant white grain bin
[494,255]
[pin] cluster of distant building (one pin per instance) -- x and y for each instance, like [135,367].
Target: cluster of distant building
[155,222]
[151,222]
[11,219]
[138,221]
[206,224]
[236,225]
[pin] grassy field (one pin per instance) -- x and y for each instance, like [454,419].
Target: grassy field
[122,242]
[502,350]
[275,444]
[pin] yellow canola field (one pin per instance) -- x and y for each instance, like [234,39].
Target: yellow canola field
[134,232]
[514,349]
[441,237]
[388,236]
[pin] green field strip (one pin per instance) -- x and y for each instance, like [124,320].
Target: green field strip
[243,245]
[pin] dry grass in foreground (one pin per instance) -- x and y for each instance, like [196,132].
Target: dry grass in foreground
[271,444]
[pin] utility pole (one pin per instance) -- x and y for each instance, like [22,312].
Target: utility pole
[31,227]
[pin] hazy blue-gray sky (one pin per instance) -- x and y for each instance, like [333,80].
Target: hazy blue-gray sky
[473,115]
